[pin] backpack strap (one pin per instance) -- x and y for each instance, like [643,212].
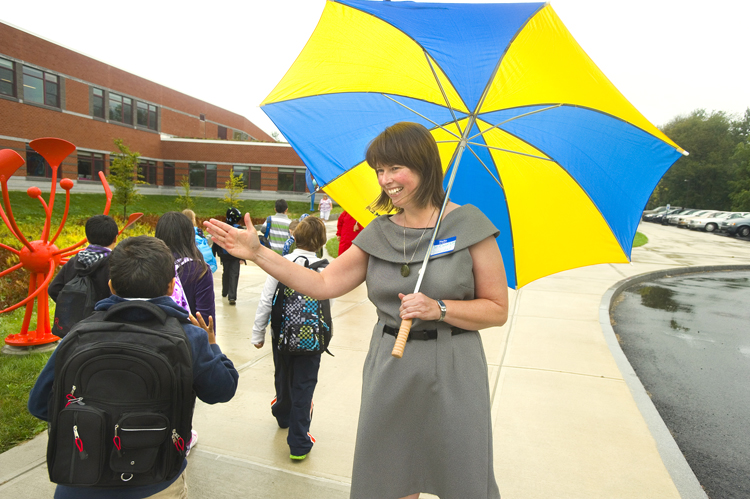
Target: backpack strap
[268,227]
[307,262]
[155,310]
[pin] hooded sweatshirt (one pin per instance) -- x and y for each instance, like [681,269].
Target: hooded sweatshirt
[93,262]
[214,381]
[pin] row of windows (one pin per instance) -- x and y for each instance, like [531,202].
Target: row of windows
[200,175]
[42,87]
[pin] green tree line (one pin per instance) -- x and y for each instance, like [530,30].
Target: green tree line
[716,174]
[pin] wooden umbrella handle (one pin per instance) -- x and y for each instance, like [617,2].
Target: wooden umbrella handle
[403,335]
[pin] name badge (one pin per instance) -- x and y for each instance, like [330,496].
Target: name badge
[443,246]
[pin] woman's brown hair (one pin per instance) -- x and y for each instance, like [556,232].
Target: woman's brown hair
[411,145]
[310,234]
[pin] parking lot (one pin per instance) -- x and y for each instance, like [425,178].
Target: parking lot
[723,223]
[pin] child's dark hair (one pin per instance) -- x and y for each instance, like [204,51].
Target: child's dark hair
[176,230]
[101,230]
[310,234]
[141,267]
[281,206]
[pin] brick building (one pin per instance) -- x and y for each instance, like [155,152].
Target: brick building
[47,90]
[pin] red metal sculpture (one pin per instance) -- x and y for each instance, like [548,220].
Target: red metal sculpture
[41,257]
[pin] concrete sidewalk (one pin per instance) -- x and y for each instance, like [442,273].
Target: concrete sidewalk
[566,424]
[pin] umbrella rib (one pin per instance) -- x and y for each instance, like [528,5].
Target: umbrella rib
[511,152]
[420,115]
[486,168]
[515,118]
[442,91]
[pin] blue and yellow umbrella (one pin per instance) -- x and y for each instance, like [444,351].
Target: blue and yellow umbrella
[547,147]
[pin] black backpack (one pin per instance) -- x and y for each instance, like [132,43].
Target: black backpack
[122,400]
[301,325]
[75,302]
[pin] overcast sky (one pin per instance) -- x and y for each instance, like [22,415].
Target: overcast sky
[666,57]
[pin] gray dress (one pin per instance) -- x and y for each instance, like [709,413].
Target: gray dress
[424,422]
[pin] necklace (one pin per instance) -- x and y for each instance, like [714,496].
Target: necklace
[405,270]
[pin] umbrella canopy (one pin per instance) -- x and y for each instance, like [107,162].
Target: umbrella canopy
[557,158]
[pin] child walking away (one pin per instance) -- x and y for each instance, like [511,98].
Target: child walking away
[299,334]
[290,245]
[230,276]
[275,229]
[119,390]
[201,242]
[83,281]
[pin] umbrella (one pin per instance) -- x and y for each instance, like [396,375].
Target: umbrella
[549,149]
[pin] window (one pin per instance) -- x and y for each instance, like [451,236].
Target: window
[251,176]
[291,179]
[169,174]
[147,169]
[37,166]
[98,98]
[237,135]
[120,109]
[89,165]
[7,78]
[202,175]
[222,132]
[146,115]
[40,87]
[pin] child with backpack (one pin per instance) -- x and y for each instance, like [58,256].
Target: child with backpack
[301,329]
[275,229]
[230,275]
[121,386]
[84,279]
[201,242]
[196,282]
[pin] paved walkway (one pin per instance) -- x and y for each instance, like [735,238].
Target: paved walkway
[566,424]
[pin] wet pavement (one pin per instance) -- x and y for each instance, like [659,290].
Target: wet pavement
[687,337]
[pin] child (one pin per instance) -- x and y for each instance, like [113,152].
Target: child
[201,242]
[347,228]
[276,228]
[290,245]
[295,376]
[176,230]
[142,268]
[101,232]
[230,276]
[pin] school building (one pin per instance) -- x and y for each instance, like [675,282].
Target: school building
[47,90]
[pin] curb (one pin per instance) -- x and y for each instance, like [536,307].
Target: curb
[682,475]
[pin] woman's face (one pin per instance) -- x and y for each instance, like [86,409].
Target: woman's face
[399,182]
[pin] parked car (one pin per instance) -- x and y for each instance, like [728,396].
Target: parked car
[660,209]
[709,222]
[672,218]
[682,220]
[659,217]
[736,226]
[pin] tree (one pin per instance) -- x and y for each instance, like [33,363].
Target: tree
[125,174]
[185,201]
[700,180]
[740,186]
[235,185]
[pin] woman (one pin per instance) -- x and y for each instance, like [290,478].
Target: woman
[176,230]
[325,207]
[424,421]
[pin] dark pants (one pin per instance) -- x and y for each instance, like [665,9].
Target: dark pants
[230,277]
[295,380]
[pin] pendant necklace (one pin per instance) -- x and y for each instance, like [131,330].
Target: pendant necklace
[405,271]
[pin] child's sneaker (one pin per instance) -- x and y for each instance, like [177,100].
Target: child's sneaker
[193,441]
[297,458]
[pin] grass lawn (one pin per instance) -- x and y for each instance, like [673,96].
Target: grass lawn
[18,374]
[639,240]
[83,206]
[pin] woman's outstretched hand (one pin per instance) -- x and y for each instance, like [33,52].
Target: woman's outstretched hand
[243,244]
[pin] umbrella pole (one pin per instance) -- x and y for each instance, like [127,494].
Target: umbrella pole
[403,330]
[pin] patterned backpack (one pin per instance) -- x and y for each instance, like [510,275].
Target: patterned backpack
[301,325]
